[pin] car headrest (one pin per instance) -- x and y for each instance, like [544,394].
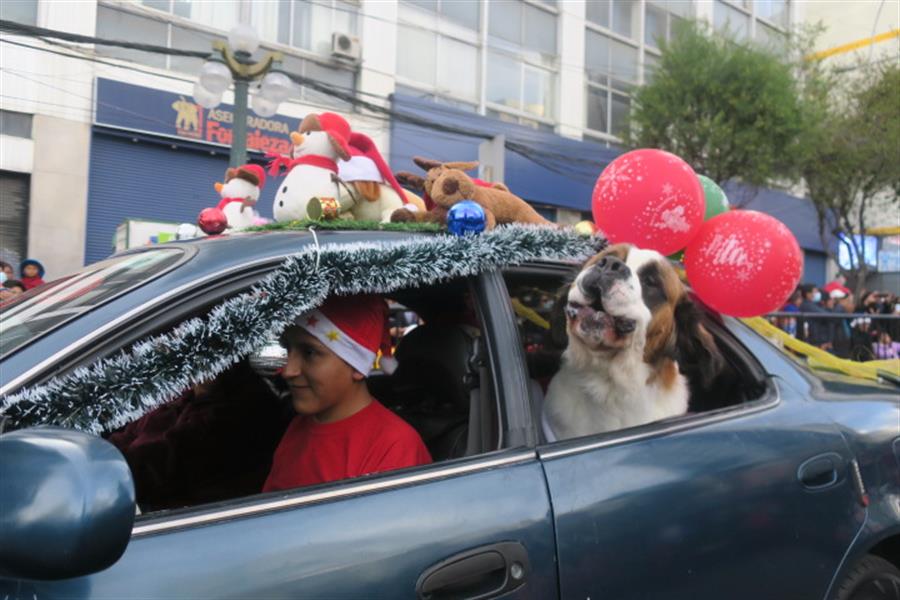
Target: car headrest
[436,359]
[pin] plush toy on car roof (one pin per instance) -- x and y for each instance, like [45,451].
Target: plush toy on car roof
[369,190]
[312,170]
[240,193]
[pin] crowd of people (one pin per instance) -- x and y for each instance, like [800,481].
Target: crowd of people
[863,335]
[31,274]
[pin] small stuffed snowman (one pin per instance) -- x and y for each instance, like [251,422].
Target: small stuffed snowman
[240,193]
[313,172]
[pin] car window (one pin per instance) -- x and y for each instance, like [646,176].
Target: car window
[216,441]
[534,292]
[42,309]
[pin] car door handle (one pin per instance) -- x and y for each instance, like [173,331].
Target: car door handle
[479,573]
[820,472]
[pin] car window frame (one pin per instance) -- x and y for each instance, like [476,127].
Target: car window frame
[768,400]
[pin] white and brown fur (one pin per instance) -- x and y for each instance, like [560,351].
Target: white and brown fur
[628,321]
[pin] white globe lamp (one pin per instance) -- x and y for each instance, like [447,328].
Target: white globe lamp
[263,106]
[215,76]
[205,98]
[243,38]
[276,87]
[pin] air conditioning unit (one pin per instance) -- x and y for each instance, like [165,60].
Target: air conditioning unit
[345,47]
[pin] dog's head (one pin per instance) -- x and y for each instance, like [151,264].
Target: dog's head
[629,299]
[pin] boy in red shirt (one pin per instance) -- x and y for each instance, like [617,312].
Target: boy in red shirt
[340,430]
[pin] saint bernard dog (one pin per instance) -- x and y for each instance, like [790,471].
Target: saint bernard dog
[628,326]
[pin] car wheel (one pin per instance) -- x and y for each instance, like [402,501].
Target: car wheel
[872,578]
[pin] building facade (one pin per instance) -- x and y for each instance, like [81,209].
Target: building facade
[93,135]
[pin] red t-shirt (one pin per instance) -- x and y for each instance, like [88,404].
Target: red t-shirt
[372,440]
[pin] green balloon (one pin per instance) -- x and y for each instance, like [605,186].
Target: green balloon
[716,202]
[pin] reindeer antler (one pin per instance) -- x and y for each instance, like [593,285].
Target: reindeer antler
[412,180]
[426,163]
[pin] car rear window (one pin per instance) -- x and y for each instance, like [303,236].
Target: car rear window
[40,310]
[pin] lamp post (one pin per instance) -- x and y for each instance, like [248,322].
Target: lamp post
[235,63]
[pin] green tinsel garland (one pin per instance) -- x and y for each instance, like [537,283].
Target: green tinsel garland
[118,389]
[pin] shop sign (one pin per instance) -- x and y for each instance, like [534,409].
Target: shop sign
[150,110]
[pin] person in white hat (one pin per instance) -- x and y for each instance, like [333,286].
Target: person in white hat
[341,430]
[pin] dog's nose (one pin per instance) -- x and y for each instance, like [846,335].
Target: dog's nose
[450,186]
[603,274]
[613,266]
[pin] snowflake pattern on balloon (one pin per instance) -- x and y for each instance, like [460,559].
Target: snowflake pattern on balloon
[667,216]
[618,176]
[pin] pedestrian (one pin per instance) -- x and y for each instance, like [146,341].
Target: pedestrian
[10,289]
[815,331]
[789,324]
[7,269]
[840,328]
[886,347]
[31,273]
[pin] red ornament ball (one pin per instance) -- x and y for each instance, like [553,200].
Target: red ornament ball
[649,198]
[212,221]
[744,263]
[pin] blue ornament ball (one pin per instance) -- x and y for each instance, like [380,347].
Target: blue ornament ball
[466,217]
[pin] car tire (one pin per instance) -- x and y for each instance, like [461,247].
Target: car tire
[872,578]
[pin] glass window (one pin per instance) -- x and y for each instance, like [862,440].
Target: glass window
[771,38]
[15,124]
[429,5]
[651,63]
[163,5]
[596,57]
[344,16]
[731,20]
[624,17]
[597,108]
[301,25]
[121,25]
[598,12]
[505,21]
[775,11]
[620,106]
[189,39]
[457,72]
[540,30]
[503,80]
[221,14]
[681,8]
[464,12]
[538,92]
[624,61]
[418,66]
[654,25]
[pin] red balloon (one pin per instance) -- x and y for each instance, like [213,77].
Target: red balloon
[212,221]
[649,198]
[744,263]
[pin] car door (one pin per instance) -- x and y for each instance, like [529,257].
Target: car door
[479,526]
[752,501]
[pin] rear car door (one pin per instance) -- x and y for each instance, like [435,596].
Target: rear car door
[751,501]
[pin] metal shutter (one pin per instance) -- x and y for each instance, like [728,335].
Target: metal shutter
[13,217]
[150,180]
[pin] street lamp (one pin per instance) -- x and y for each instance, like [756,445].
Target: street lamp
[234,63]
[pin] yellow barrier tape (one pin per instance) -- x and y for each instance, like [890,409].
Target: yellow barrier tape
[817,357]
[883,231]
[854,45]
[529,314]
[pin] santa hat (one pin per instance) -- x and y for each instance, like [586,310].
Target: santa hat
[252,173]
[835,285]
[336,126]
[367,164]
[355,328]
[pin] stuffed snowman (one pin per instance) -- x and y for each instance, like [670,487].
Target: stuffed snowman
[373,190]
[312,170]
[240,193]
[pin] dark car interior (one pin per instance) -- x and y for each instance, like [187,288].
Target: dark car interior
[216,440]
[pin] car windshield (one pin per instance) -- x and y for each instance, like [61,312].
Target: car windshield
[42,309]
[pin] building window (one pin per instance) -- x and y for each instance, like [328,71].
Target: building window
[773,11]
[620,16]
[446,65]
[20,11]
[611,73]
[117,21]
[304,24]
[731,20]
[661,17]
[463,12]
[15,124]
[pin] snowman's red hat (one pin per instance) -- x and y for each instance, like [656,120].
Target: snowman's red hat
[252,173]
[367,164]
[336,126]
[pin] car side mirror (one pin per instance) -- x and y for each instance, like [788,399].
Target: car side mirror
[67,504]
[269,360]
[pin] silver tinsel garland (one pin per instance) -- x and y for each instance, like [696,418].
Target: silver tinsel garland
[118,389]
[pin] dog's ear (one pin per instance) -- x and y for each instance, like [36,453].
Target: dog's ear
[426,164]
[697,353]
[559,336]
[417,182]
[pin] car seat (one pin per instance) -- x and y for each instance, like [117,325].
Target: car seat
[436,382]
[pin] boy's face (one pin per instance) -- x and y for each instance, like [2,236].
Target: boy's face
[30,271]
[8,270]
[319,380]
